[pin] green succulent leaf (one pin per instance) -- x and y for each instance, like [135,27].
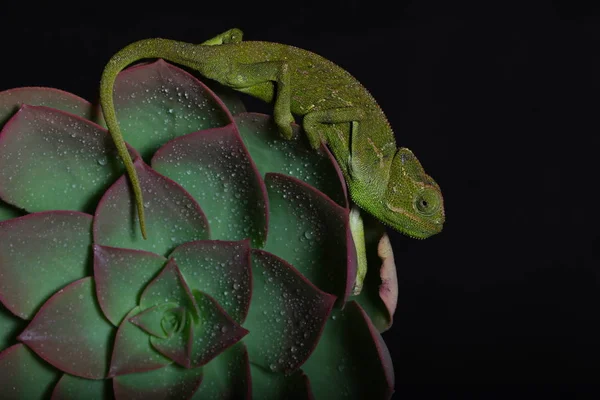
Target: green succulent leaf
[71,387]
[121,276]
[220,269]
[227,95]
[227,376]
[169,287]
[351,360]
[10,326]
[132,351]
[267,385]
[157,102]
[286,316]
[23,375]
[168,383]
[312,233]
[160,320]
[11,100]
[172,216]
[178,345]
[52,160]
[214,332]
[214,167]
[8,212]
[53,247]
[71,333]
[293,157]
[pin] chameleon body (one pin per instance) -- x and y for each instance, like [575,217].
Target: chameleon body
[336,110]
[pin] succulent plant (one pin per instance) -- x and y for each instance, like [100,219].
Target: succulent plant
[243,288]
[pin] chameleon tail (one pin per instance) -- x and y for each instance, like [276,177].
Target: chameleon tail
[148,48]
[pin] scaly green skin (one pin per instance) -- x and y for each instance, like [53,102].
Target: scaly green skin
[337,110]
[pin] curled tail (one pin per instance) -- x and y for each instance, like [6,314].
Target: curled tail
[149,48]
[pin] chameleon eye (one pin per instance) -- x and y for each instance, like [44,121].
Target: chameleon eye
[427,202]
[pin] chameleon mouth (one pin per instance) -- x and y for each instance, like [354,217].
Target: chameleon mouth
[421,228]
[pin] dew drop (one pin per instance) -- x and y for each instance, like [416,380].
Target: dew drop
[102,161]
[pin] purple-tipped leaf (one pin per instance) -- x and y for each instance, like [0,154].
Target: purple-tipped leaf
[160,320]
[296,158]
[53,160]
[178,346]
[169,287]
[215,168]
[220,269]
[214,332]
[312,233]
[23,375]
[52,247]
[287,314]
[12,99]
[132,351]
[121,276]
[71,333]
[172,216]
[351,360]
[157,102]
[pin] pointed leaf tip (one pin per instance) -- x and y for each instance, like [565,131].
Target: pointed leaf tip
[232,193]
[173,217]
[220,269]
[310,231]
[71,333]
[66,161]
[132,351]
[53,247]
[121,276]
[157,101]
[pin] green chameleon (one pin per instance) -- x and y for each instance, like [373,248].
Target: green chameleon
[387,182]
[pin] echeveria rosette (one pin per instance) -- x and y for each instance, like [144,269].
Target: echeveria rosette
[243,288]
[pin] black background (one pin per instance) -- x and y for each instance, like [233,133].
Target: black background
[500,104]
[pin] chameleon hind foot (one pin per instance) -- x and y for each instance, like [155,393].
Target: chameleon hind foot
[314,119]
[250,79]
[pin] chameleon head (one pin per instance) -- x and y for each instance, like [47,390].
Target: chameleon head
[412,202]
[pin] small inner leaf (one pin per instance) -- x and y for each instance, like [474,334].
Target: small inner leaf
[152,319]
[169,287]
[121,276]
[174,321]
[220,269]
[132,351]
[215,332]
